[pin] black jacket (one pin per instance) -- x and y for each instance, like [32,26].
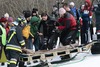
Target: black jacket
[15,39]
[46,27]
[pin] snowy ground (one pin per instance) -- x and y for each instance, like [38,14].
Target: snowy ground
[82,60]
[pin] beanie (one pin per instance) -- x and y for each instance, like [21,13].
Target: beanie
[10,19]
[3,19]
[62,11]
[6,15]
[72,3]
[27,13]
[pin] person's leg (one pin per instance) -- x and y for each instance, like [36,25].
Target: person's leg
[83,33]
[70,37]
[62,37]
[0,50]
[21,64]
[8,57]
[30,44]
[14,58]
[87,31]
[52,40]
[36,43]
[42,45]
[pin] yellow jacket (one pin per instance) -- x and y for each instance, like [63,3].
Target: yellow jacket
[26,32]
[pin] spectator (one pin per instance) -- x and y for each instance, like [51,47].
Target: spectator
[34,29]
[86,16]
[67,8]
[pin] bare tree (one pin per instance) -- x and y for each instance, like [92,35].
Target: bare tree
[15,7]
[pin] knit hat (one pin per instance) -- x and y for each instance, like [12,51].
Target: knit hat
[6,15]
[27,13]
[72,3]
[34,10]
[62,11]
[10,19]
[34,19]
[3,19]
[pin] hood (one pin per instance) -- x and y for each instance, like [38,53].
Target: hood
[89,2]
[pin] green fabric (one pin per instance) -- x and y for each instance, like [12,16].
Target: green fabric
[34,25]
[3,36]
[34,19]
[78,34]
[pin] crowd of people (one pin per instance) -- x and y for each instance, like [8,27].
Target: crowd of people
[40,32]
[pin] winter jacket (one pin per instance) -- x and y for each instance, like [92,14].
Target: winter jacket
[86,12]
[97,15]
[34,25]
[67,22]
[15,39]
[2,36]
[46,27]
[76,12]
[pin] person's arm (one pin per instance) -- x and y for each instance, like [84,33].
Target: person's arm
[0,35]
[68,24]
[39,26]
[78,14]
[65,26]
[20,37]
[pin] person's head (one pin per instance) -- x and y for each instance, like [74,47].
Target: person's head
[27,15]
[66,6]
[6,15]
[34,20]
[3,21]
[55,8]
[82,7]
[62,11]
[72,4]
[10,20]
[21,21]
[44,16]
[34,12]
[15,23]
[87,3]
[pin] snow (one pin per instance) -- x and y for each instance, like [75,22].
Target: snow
[83,60]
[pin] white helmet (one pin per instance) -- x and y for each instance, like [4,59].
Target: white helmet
[72,3]
[6,15]
[15,23]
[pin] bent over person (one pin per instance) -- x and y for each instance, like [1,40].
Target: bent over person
[67,26]
[15,44]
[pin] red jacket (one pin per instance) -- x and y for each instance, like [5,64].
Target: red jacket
[67,22]
[88,7]
[7,29]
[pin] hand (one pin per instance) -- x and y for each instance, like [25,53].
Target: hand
[40,34]
[81,21]
[32,40]
[24,49]
[56,27]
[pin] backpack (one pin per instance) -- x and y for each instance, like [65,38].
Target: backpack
[26,31]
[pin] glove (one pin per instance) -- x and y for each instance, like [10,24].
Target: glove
[90,19]
[81,21]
